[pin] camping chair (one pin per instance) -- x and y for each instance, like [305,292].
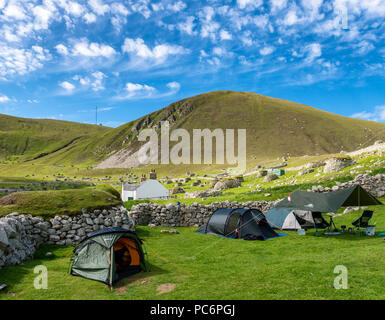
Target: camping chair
[320,222]
[363,221]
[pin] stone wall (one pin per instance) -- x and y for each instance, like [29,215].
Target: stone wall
[172,215]
[21,235]
[373,184]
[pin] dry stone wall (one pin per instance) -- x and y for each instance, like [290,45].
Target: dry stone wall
[373,184]
[172,215]
[21,235]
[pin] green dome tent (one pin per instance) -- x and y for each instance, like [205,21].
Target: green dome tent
[108,255]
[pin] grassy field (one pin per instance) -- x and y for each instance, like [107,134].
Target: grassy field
[200,266]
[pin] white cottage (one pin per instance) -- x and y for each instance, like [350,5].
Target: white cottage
[149,189]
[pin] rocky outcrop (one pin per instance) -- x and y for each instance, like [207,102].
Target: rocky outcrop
[337,164]
[172,215]
[373,184]
[21,235]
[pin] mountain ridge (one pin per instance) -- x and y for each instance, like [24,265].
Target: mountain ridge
[275,128]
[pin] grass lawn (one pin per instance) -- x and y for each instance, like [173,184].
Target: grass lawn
[211,267]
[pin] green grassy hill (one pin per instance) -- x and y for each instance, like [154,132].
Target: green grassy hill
[275,128]
[30,139]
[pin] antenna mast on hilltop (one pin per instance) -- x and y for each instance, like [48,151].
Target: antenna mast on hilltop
[96,115]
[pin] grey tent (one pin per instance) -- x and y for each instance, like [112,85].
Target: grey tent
[108,255]
[288,219]
[328,201]
[239,223]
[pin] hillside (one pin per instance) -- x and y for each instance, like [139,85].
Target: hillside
[30,139]
[275,128]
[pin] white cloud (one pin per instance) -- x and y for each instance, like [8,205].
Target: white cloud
[135,87]
[187,26]
[375,8]
[218,51]
[159,53]
[4,98]
[314,50]
[142,7]
[89,17]
[94,81]
[261,21]
[144,91]
[71,7]
[252,4]
[69,87]
[225,35]
[246,38]
[118,8]
[93,49]
[266,50]
[99,7]
[209,30]
[177,6]
[15,61]
[43,15]
[364,47]
[136,90]
[14,11]
[291,18]
[278,4]
[62,49]
[209,27]
[174,86]
[378,114]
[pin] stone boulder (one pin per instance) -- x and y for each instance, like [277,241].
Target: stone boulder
[306,171]
[262,173]
[213,182]
[196,183]
[270,177]
[177,190]
[227,184]
[337,164]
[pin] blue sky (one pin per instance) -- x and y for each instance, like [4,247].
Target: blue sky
[61,58]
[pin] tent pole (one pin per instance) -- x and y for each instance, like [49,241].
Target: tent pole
[110,265]
[359,199]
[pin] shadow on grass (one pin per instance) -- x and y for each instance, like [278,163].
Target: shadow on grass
[343,236]
[142,232]
[140,278]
